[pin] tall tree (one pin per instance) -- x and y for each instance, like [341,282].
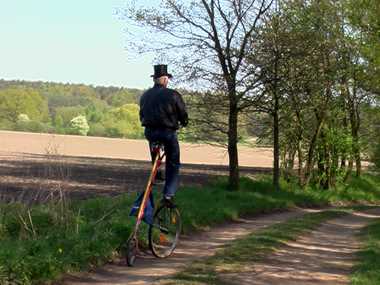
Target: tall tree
[210,41]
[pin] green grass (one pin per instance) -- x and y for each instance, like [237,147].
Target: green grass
[367,272]
[89,233]
[239,256]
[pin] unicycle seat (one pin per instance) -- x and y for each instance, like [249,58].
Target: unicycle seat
[157,147]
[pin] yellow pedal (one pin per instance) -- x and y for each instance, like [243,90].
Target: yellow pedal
[163,238]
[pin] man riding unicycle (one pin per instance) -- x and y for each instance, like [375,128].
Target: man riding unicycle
[162,111]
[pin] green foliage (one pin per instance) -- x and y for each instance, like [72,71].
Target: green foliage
[90,232]
[18,100]
[65,114]
[7,125]
[23,118]
[367,272]
[97,129]
[59,124]
[95,112]
[79,125]
[370,133]
[32,126]
[364,16]
[121,98]
[124,122]
[60,103]
[26,125]
[376,156]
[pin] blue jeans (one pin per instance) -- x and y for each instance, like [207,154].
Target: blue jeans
[172,164]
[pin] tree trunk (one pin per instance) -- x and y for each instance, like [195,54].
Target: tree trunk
[349,169]
[276,148]
[356,150]
[354,116]
[276,130]
[327,166]
[310,155]
[344,153]
[334,166]
[232,146]
[355,125]
[300,163]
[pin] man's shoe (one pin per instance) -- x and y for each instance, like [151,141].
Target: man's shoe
[168,202]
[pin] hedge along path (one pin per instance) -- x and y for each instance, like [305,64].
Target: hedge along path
[148,269]
[325,256]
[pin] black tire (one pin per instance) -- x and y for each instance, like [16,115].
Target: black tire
[131,251]
[164,232]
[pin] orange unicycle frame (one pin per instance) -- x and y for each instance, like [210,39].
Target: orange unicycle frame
[132,244]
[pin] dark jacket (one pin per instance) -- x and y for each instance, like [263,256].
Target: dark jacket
[162,107]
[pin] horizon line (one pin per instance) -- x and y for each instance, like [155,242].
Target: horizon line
[71,83]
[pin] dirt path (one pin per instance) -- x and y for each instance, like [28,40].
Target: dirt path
[149,269]
[324,257]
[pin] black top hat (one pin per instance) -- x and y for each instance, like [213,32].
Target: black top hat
[161,70]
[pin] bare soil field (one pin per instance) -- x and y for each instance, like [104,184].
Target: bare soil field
[33,166]
[67,145]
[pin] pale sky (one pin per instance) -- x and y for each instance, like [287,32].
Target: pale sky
[74,41]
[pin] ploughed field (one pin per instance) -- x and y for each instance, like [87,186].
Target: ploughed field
[35,167]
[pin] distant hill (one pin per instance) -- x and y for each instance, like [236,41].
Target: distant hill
[50,107]
[49,89]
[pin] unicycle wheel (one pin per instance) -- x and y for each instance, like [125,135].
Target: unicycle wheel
[164,232]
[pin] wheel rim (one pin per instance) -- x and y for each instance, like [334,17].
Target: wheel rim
[164,233]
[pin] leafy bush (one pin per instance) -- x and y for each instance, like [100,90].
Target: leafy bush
[17,100]
[63,115]
[32,126]
[23,118]
[98,130]
[6,125]
[124,122]
[79,125]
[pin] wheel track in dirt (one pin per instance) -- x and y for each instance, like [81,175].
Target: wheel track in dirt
[325,256]
[204,244]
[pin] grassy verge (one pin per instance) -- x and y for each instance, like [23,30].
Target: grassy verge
[242,252]
[41,243]
[367,272]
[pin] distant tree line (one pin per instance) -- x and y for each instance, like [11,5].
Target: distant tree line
[69,109]
[85,110]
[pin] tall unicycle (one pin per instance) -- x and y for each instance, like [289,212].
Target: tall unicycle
[164,231]
[141,206]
